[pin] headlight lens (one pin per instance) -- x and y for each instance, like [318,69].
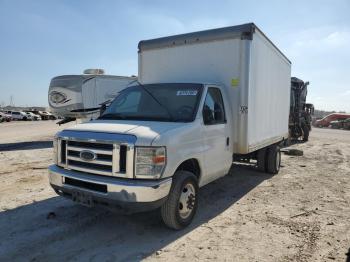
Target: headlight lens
[149,162]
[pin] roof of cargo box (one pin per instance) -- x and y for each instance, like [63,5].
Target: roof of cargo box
[244,31]
[88,76]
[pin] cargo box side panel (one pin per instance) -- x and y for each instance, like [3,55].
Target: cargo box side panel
[101,89]
[269,94]
[89,93]
[215,62]
[208,62]
[107,88]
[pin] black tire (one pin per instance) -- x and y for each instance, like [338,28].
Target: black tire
[261,159]
[306,132]
[273,159]
[170,210]
[24,118]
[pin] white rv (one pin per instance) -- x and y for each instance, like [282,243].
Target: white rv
[203,99]
[81,96]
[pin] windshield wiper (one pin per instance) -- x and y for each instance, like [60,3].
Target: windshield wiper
[113,116]
[171,118]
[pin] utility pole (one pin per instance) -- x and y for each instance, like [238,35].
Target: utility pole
[11,101]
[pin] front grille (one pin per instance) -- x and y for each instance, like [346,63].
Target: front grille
[109,159]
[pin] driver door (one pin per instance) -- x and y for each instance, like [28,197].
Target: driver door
[217,156]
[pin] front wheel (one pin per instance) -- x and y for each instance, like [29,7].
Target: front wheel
[180,207]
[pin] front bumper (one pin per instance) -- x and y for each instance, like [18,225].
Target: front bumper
[127,195]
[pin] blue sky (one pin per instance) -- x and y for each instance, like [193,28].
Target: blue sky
[44,38]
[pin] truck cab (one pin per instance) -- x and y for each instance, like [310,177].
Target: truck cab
[148,134]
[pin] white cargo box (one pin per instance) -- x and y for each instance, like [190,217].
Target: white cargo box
[253,70]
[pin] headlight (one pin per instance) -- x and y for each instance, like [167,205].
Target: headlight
[149,162]
[55,148]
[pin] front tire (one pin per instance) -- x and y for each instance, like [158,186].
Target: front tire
[180,207]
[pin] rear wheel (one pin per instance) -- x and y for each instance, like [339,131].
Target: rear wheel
[180,207]
[273,159]
[261,159]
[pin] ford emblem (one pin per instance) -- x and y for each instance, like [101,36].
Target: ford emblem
[87,155]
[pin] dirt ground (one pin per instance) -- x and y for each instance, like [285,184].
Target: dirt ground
[301,214]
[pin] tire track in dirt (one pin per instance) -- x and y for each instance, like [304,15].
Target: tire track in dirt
[308,233]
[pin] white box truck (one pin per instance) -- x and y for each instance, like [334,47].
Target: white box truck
[202,100]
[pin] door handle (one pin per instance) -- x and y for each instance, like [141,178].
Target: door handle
[227,141]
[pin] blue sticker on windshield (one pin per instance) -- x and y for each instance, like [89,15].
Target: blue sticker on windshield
[187,93]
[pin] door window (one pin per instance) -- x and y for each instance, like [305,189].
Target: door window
[213,109]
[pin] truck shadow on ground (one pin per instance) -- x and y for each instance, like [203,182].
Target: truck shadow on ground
[76,232]
[25,145]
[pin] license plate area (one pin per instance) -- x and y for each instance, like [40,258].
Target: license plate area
[85,185]
[82,198]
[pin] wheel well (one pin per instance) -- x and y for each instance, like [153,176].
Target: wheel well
[192,166]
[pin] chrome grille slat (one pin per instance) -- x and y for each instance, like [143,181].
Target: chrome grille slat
[97,151]
[130,161]
[116,158]
[101,162]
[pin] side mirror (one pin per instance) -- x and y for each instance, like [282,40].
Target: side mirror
[103,109]
[207,115]
[218,113]
[104,106]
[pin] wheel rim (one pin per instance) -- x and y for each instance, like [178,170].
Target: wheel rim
[278,160]
[187,201]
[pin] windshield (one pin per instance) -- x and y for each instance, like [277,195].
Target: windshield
[156,102]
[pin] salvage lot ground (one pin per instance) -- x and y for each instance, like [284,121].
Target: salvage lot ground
[301,214]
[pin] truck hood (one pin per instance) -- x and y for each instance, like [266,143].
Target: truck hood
[145,131]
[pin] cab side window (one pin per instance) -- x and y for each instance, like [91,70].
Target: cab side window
[213,109]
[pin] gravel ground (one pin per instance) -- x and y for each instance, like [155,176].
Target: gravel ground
[301,214]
